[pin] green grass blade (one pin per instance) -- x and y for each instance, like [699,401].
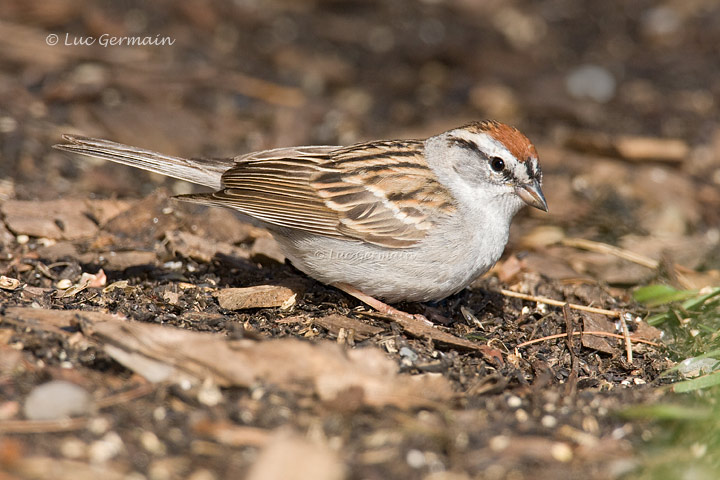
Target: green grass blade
[654,295]
[706,381]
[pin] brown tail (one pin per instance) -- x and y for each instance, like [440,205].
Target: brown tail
[199,171]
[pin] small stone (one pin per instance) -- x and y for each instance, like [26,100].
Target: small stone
[514,401]
[73,448]
[55,400]
[694,367]
[593,82]
[99,425]
[64,284]
[499,443]
[561,452]
[152,443]
[521,415]
[202,474]
[106,448]
[409,354]
[548,421]
[210,394]
[168,468]
[415,458]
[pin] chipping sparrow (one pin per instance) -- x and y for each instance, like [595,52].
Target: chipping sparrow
[412,220]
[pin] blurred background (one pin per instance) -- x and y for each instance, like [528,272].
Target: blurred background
[622,100]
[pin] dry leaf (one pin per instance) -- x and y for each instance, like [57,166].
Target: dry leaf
[172,354]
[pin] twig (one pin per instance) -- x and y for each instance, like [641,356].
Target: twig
[557,303]
[593,332]
[571,385]
[43,426]
[124,397]
[626,336]
[611,250]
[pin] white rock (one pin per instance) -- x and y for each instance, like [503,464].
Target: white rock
[57,399]
[591,81]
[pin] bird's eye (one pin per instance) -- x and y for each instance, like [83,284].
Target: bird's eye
[497,164]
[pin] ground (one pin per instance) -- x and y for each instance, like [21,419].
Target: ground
[164,362]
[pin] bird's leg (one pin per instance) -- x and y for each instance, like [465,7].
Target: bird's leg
[377,304]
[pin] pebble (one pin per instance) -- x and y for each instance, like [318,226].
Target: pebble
[73,448]
[55,400]
[521,415]
[64,284]
[561,452]
[694,367]
[99,425]
[660,21]
[209,394]
[514,401]
[548,421]
[152,443]
[106,448]
[499,443]
[409,354]
[591,82]
[202,474]
[415,458]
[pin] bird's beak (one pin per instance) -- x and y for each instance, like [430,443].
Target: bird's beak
[532,194]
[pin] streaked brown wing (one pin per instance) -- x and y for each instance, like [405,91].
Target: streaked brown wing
[345,192]
[391,203]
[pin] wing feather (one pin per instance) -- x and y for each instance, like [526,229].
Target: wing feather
[379,192]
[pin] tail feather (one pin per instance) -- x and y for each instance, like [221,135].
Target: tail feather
[207,172]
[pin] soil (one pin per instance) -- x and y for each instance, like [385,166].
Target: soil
[620,100]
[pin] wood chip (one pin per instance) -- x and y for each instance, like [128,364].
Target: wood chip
[9,283]
[333,323]
[260,296]
[123,260]
[146,219]
[294,457]
[652,149]
[231,434]
[57,321]
[59,220]
[593,322]
[633,148]
[201,248]
[57,251]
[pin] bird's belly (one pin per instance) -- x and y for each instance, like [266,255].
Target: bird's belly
[429,271]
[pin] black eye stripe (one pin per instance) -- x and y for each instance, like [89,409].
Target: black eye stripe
[507,173]
[464,143]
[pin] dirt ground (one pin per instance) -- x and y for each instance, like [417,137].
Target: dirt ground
[131,343]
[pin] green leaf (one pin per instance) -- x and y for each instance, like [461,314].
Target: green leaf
[693,303]
[667,411]
[659,318]
[706,381]
[654,295]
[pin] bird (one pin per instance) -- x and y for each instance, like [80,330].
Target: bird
[385,221]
